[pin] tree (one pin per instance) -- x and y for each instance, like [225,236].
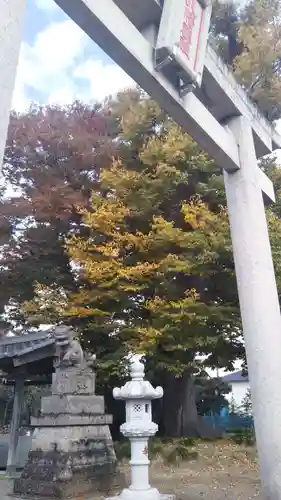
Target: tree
[225,23]
[52,159]
[233,407]
[154,266]
[249,39]
[211,395]
[258,67]
[245,408]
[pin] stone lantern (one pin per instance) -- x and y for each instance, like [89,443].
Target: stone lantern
[139,427]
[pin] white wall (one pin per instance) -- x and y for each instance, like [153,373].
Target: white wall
[238,392]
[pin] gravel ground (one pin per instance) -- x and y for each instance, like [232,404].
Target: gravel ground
[222,471]
[4,489]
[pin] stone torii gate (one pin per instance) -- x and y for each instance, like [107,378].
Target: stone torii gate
[162,45]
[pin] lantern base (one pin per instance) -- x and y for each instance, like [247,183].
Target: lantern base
[150,494]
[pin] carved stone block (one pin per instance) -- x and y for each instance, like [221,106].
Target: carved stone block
[73,382]
[67,469]
[72,454]
[75,405]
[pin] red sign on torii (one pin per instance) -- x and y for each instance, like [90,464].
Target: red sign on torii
[187,27]
[182,38]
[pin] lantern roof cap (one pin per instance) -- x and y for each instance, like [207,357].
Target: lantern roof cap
[137,387]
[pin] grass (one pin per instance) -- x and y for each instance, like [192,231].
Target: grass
[173,451]
[170,451]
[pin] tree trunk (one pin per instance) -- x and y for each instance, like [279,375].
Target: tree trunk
[180,412]
[180,415]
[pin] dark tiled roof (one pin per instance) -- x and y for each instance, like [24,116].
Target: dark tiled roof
[11,347]
[235,377]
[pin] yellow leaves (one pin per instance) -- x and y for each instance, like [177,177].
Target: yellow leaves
[148,338]
[168,320]
[84,311]
[174,149]
[158,304]
[124,242]
[104,272]
[172,264]
[159,252]
[198,215]
[140,271]
[210,231]
[137,242]
[139,115]
[169,149]
[107,216]
[165,232]
[192,294]
[120,179]
[141,192]
[110,249]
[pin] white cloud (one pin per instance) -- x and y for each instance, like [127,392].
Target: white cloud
[44,66]
[53,68]
[104,79]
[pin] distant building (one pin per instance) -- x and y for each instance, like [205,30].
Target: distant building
[239,384]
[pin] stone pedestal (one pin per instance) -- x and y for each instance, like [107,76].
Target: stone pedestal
[72,452]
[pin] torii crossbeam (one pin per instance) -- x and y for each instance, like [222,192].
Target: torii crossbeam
[210,106]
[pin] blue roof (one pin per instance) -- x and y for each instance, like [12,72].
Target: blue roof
[235,377]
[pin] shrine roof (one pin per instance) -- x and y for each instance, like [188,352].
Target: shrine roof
[29,353]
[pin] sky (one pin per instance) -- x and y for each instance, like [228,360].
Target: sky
[59,63]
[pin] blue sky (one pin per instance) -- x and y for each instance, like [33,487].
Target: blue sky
[59,63]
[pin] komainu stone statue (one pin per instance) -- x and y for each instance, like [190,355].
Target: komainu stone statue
[68,350]
[72,454]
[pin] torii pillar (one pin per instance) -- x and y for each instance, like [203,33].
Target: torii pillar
[259,304]
[12,13]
